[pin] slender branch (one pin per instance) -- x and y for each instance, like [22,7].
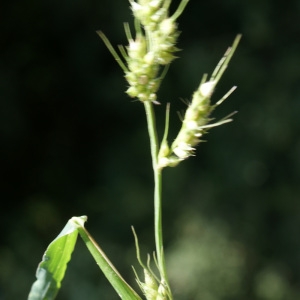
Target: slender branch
[157,189]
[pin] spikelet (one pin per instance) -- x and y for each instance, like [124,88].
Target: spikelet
[150,286]
[151,289]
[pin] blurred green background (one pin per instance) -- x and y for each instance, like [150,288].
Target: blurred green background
[72,143]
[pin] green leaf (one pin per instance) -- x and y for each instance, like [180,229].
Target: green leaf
[51,269]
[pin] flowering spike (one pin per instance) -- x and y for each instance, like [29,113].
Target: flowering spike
[197,119]
[152,48]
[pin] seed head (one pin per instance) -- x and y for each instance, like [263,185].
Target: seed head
[197,118]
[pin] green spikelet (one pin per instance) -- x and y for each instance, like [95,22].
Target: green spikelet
[150,286]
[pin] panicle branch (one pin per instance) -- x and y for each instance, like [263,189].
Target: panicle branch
[197,118]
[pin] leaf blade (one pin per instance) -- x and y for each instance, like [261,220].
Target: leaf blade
[123,289]
[52,268]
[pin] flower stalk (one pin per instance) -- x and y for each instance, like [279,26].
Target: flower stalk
[158,232]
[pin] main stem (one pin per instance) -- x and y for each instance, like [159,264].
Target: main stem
[157,188]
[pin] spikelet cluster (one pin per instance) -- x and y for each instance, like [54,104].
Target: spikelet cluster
[160,29]
[151,50]
[142,72]
[197,118]
[149,12]
[153,47]
[151,288]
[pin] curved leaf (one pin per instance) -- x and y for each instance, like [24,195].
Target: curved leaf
[51,269]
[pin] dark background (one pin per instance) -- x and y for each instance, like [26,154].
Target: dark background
[73,143]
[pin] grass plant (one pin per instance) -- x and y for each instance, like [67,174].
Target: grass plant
[145,61]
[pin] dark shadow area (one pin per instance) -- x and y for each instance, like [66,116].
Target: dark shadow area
[73,143]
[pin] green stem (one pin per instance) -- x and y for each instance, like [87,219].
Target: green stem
[157,188]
